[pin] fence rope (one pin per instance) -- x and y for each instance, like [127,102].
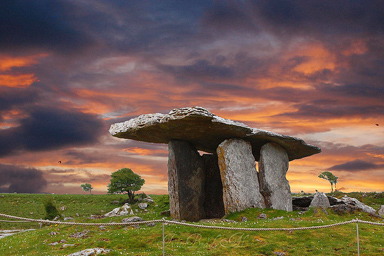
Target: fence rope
[190,224]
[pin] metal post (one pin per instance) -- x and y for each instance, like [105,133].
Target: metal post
[357,232]
[163,239]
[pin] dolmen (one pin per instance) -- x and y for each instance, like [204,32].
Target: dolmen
[224,179]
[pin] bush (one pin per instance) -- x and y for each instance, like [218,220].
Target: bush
[51,211]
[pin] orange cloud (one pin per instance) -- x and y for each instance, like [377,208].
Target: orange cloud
[144,152]
[8,62]
[17,81]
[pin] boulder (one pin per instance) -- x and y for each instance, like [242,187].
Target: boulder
[185,181]
[213,203]
[90,252]
[205,131]
[344,208]
[359,205]
[131,219]
[238,176]
[320,200]
[120,211]
[142,206]
[274,186]
[381,211]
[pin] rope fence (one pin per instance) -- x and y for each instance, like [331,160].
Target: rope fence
[164,222]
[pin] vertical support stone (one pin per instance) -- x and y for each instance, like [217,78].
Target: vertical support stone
[273,166]
[239,176]
[185,181]
[213,204]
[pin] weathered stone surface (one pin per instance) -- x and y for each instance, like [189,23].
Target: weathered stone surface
[381,211]
[120,211]
[185,181]
[320,200]
[359,205]
[238,176]
[274,186]
[213,203]
[142,205]
[205,131]
[131,219]
[90,252]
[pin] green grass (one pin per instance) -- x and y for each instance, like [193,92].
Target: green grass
[182,240]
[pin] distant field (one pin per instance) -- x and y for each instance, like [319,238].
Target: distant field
[182,240]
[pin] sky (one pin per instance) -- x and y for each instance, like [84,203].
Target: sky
[69,69]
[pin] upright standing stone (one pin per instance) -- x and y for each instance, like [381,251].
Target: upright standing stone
[213,204]
[320,200]
[239,176]
[273,166]
[185,181]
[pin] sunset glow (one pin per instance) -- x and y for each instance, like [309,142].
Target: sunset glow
[68,73]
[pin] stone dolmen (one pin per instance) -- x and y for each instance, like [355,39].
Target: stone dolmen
[225,179]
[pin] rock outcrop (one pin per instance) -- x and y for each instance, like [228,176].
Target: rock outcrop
[274,186]
[239,176]
[212,185]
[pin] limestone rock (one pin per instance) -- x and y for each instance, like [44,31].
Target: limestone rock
[142,205]
[90,252]
[320,200]
[131,219]
[120,211]
[343,208]
[359,205]
[381,211]
[238,176]
[213,203]
[205,131]
[274,186]
[185,181]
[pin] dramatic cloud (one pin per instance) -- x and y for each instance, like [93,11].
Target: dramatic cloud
[21,180]
[49,129]
[307,68]
[357,165]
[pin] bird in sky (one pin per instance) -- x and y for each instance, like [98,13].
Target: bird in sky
[59,162]
[377,124]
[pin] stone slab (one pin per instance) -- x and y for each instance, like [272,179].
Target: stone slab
[185,181]
[205,131]
[274,186]
[239,176]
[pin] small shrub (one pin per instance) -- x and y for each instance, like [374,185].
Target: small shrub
[50,210]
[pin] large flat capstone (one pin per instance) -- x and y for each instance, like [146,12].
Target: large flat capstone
[205,131]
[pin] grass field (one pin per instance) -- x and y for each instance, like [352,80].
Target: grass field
[182,240]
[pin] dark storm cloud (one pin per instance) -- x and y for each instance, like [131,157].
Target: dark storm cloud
[230,16]
[21,180]
[327,17]
[201,69]
[49,129]
[43,24]
[335,110]
[16,98]
[356,165]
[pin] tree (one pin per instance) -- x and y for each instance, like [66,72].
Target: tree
[87,187]
[329,177]
[125,181]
